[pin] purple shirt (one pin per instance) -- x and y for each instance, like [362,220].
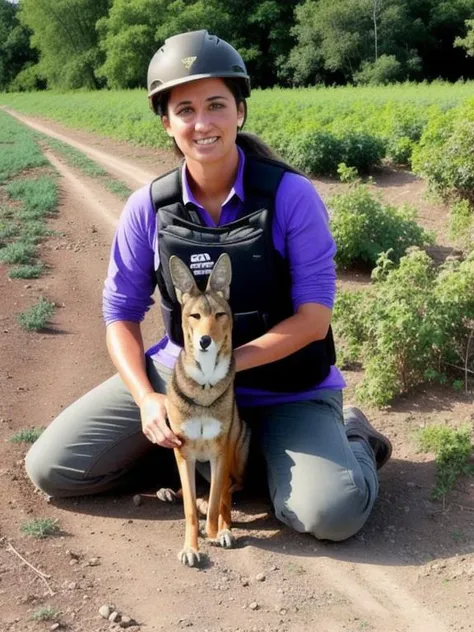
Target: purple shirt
[300,234]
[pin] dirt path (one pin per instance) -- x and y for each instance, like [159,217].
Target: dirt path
[409,570]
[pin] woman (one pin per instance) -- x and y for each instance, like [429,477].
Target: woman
[228,195]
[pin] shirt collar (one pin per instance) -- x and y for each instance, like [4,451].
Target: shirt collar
[237,189]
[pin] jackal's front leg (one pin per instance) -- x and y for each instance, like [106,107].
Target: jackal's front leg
[189,556]
[218,523]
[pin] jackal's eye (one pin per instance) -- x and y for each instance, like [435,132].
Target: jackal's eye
[220,314]
[196,316]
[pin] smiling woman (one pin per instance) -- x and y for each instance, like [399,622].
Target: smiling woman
[230,195]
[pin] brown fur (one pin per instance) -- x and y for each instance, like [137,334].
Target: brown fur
[191,398]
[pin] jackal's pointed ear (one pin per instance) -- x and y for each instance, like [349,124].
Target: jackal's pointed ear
[221,276]
[182,278]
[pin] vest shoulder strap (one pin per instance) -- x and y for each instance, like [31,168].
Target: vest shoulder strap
[166,189]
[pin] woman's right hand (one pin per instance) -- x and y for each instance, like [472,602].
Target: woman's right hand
[153,412]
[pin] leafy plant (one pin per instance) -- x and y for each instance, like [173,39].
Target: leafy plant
[415,324]
[17,252]
[26,271]
[26,435]
[363,227]
[40,527]
[37,317]
[452,448]
[47,613]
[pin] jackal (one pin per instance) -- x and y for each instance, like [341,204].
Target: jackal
[201,404]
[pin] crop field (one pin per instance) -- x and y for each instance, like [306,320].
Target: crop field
[315,128]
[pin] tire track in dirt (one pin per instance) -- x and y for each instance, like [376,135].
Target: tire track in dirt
[117,166]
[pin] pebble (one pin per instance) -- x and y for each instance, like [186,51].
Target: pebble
[253,605]
[244,581]
[137,500]
[73,562]
[260,577]
[72,586]
[127,622]
[104,611]
[55,626]
[114,616]
[94,561]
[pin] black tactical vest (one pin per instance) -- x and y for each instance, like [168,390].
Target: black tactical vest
[260,293]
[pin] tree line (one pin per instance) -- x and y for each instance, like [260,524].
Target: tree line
[93,44]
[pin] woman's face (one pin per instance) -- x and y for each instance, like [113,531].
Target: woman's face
[203,117]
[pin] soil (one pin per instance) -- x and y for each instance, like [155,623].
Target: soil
[410,569]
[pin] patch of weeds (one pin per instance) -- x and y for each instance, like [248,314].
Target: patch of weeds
[75,158]
[452,448]
[8,230]
[23,152]
[39,196]
[37,316]
[47,613]
[117,187]
[26,435]
[36,229]
[28,271]
[17,252]
[78,160]
[40,527]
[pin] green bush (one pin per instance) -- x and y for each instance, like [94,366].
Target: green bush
[316,152]
[452,449]
[37,316]
[17,252]
[363,227]
[387,69]
[415,324]
[461,224]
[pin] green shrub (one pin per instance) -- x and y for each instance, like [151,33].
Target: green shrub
[17,252]
[26,271]
[363,227]
[415,324]
[452,449]
[26,435]
[39,196]
[40,527]
[362,150]
[316,152]
[46,613]
[387,69]
[461,224]
[37,317]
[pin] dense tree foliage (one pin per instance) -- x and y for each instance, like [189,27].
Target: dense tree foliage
[64,32]
[15,51]
[96,43]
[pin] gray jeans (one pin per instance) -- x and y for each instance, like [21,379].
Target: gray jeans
[319,482]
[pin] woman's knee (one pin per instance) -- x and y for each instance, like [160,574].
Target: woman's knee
[326,516]
[42,473]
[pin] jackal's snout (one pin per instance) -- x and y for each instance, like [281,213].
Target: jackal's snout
[205,342]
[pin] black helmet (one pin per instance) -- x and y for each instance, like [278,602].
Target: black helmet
[191,56]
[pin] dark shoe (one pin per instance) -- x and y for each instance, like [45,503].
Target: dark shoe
[358,426]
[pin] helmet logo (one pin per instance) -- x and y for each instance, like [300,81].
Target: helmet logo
[188,62]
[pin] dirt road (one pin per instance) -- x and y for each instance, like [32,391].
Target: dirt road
[409,570]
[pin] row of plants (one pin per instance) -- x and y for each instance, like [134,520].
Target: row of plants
[313,128]
[26,203]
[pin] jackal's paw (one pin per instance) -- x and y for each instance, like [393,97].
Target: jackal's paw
[225,539]
[167,495]
[189,557]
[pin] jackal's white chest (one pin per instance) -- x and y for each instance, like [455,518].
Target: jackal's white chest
[201,428]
